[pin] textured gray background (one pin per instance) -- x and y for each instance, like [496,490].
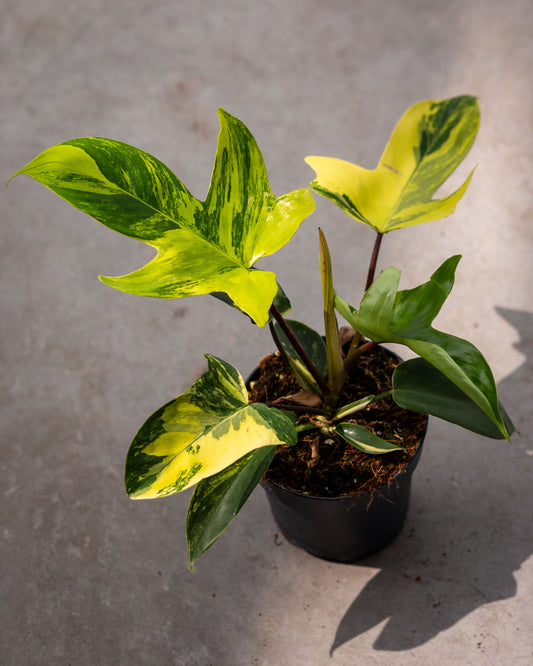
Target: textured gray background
[88,577]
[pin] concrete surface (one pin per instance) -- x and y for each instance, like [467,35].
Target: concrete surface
[88,577]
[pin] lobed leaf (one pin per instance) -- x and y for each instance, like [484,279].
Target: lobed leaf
[202,247]
[405,317]
[429,142]
[201,432]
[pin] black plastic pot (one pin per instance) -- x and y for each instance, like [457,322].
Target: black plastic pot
[343,529]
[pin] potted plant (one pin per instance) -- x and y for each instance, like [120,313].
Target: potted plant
[334,423]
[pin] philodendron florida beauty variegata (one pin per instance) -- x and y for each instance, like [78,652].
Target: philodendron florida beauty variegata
[212,436]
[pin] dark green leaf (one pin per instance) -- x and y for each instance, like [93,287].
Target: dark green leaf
[217,499]
[420,387]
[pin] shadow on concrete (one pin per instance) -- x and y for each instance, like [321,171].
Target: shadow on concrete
[444,566]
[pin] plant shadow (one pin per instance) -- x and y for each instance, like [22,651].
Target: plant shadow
[468,530]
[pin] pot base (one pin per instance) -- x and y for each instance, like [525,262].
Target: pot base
[343,529]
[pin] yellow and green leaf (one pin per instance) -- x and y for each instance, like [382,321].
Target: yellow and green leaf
[405,317]
[202,247]
[200,433]
[429,142]
[281,302]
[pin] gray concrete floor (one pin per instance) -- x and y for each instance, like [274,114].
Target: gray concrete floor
[88,577]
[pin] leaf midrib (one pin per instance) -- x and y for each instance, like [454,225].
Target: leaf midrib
[474,388]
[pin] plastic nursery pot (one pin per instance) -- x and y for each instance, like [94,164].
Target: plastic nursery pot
[343,529]
[346,528]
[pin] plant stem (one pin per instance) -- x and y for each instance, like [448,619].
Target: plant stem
[355,352]
[306,426]
[373,261]
[350,357]
[297,409]
[300,350]
[277,341]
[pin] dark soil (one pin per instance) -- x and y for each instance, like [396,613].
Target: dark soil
[327,466]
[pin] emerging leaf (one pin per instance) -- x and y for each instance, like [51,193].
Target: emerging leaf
[429,142]
[202,247]
[200,433]
[405,317]
[333,346]
[364,440]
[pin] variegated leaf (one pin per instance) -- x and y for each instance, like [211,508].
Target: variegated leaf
[405,317]
[420,387]
[281,302]
[364,440]
[429,142]
[200,433]
[202,247]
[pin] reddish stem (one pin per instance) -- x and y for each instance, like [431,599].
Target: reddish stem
[355,353]
[352,355]
[373,261]
[300,350]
